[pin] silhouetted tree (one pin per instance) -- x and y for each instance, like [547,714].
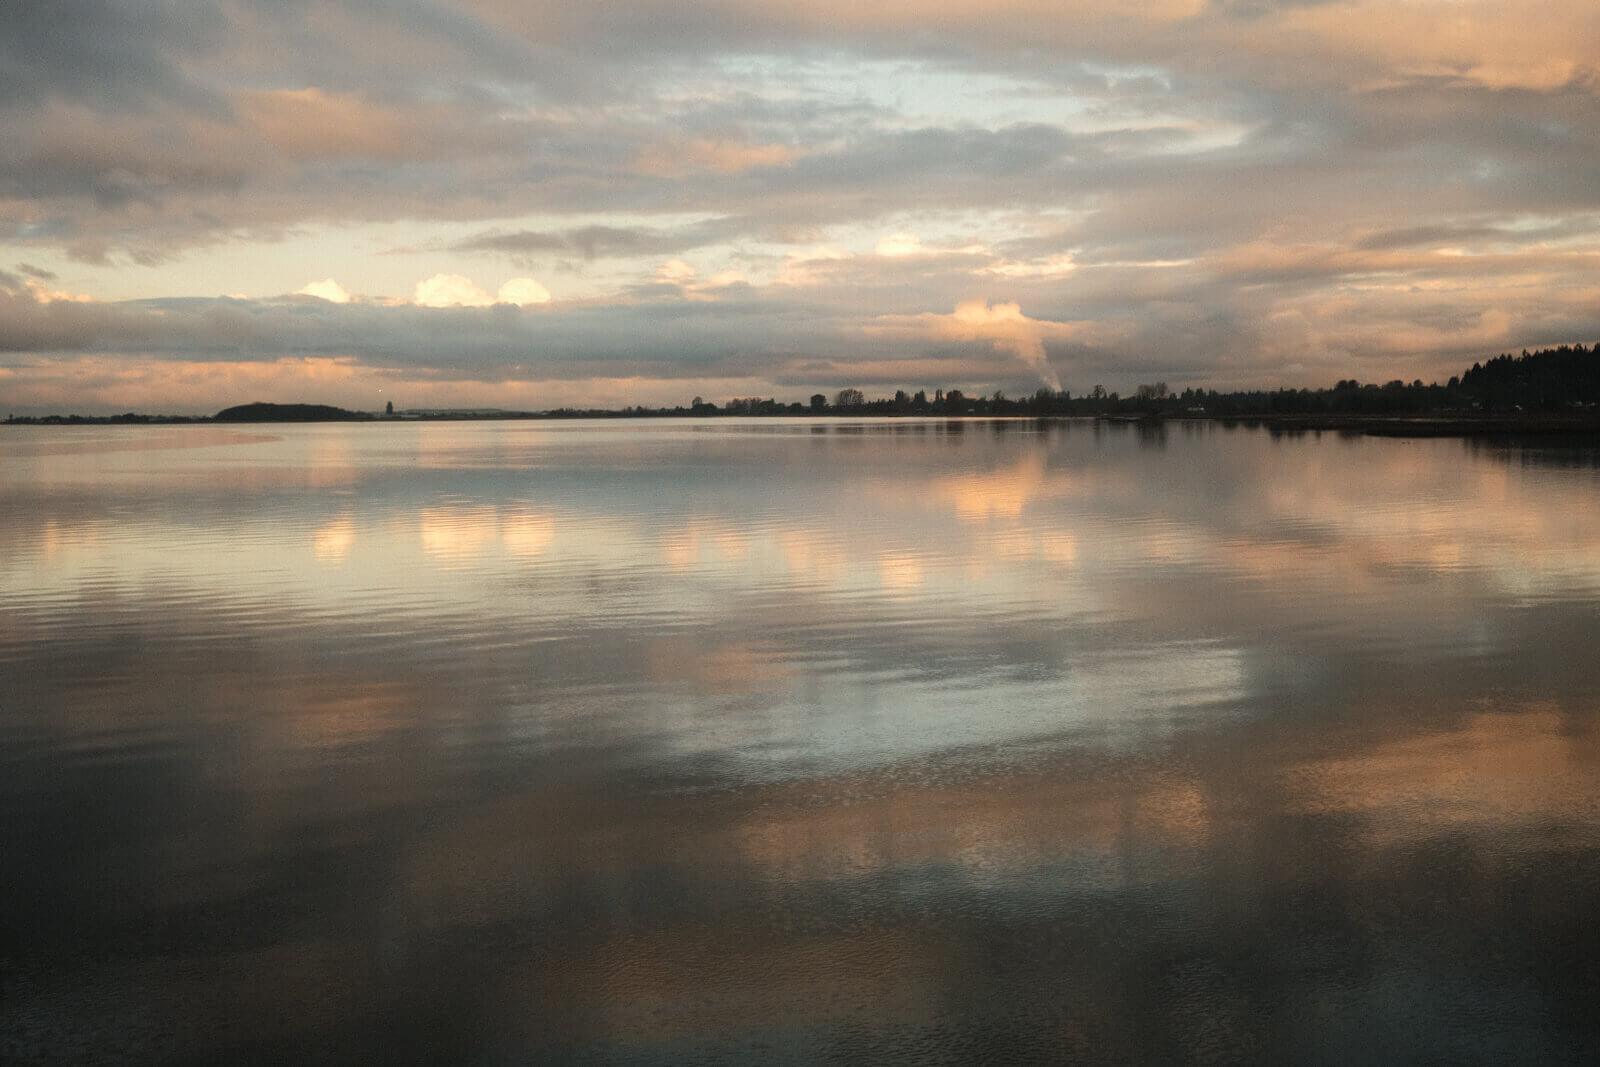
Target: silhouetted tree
[1552,379]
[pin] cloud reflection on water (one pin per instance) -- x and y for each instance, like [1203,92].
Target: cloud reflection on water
[660,746]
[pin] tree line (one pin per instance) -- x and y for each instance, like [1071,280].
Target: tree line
[1563,379]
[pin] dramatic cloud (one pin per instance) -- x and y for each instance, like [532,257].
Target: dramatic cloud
[979,196]
[1003,325]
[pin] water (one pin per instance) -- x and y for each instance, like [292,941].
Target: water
[795,741]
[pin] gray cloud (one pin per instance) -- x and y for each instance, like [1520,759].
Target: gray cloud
[111,55]
[1254,9]
[600,241]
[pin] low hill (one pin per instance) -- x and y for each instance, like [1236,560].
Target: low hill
[260,412]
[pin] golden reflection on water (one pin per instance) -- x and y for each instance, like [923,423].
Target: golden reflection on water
[1325,521]
[993,496]
[454,533]
[1489,770]
[333,540]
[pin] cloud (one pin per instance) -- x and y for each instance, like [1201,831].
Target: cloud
[1003,325]
[450,290]
[772,346]
[314,125]
[523,291]
[597,241]
[327,289]
[726,278]
[675,272]
[899,244]
[809,267]
[678,158]
[457,291]
[1217,192]
[117,56]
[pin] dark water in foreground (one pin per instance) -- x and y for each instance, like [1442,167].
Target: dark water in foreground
[796,742]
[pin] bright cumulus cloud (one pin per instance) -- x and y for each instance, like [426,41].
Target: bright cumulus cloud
[450,290]
[328,290]
[455,290]
[523,291]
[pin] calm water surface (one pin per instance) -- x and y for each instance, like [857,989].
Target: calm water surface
[810,741]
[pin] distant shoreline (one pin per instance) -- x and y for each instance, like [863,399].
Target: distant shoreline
[1451,425]
[1554,392]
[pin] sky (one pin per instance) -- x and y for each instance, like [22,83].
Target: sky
[486,203]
